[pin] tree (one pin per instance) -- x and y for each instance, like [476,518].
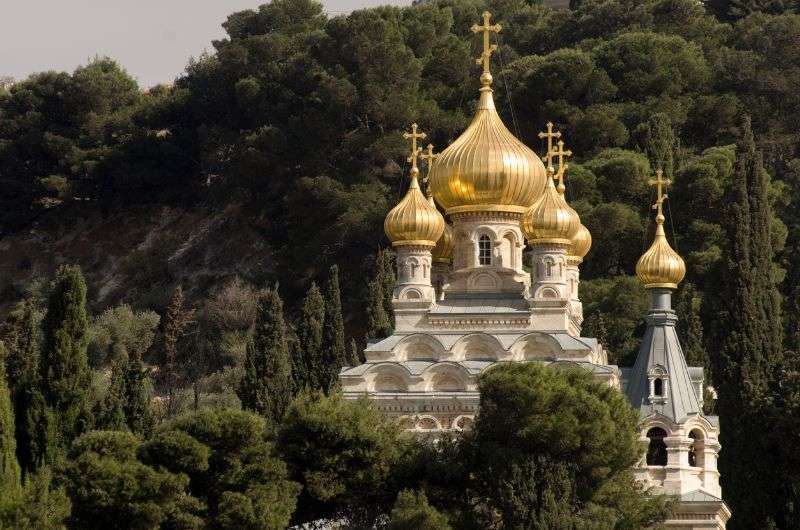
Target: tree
[136,406]
[334,354]
[379,296]
[9,466]
[231,466]
[343,453]
[660,143]
[354,359]
[266,386]
[120,331]
[38,506]
[22,335]
[64,366]
[411,510]
[110,488]
[745,370]
[309,368]
[175,324]
[690,325]
[552,447]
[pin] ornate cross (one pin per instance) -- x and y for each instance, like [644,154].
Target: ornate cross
[415,151]
[660,183]
[428,156]
[486,29]
[549,135]
[561,153]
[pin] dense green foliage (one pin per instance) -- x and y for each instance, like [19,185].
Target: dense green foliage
[9,466]
[296,116]
[411,510]
[554,449]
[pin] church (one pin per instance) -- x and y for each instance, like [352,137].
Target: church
[463,302]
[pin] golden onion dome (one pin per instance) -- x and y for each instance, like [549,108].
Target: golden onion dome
[660,266]
[487,168]
[414,221]
[581,243]
[551,220]
[443,252]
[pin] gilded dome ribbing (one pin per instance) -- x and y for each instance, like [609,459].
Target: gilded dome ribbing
[581,243]
[414,221]
[660,266]
[443,251]
[551,220]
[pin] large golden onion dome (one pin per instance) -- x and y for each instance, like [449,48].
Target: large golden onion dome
[581,243]
[443,251]
[414,221]
[551,220]
[660,266]
[487,168]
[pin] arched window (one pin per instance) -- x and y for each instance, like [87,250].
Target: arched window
[658,387]
[657,449]
[696,455]
[484,250]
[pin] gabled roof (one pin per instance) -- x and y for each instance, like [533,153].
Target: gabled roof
[661,352]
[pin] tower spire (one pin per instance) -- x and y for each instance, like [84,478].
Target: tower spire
[488,49]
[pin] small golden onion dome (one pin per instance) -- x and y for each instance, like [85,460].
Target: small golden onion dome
[443,252]
[414,221]
[551,220]
[487,168]
[660,266]
[581,243]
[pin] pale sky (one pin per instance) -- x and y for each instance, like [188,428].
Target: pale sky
[152,39]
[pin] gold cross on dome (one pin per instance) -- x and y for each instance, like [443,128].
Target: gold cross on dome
[486,29]
[415,151]
[550,135]
[661,184]
[561,154]
[428,156]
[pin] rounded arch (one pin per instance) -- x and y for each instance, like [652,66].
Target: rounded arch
[463,423]
[508,250]
[484,281]
[411,294]
[696,452]
[536,346]
[419,347]
[656,447]
[477,347]
[387,377]
[427,423]
[446,377]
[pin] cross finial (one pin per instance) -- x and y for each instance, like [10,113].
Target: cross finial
[488,49]
[561,154]
[428,156]
[415,151]
[549,135]
[661,184]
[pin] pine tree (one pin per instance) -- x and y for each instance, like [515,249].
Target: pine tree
[176,321]
[64,366]
[22,333]
[334,353]
[9,466]
[310,371]
[749,331]
[266,387]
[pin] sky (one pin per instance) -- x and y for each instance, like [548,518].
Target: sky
[151,39]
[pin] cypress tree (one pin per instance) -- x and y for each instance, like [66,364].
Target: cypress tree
[749,331]
[176,321]
[9,466]
[266,387]
[354,359]
[136,405]
[378,325]
[334,353]
[22,333]
[309,369]
[64,366]
[386,275]
[660,145]
[111,415]
[690,326]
